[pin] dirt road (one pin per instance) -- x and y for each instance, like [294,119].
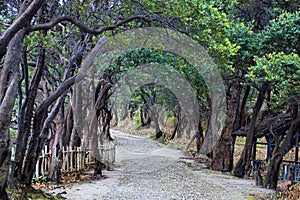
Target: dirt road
[146,170]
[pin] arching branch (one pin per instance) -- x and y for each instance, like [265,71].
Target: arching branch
[18,24]
[81,25]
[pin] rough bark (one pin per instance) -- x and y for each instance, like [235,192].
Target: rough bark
[27,112]
[222,151]
[9,87]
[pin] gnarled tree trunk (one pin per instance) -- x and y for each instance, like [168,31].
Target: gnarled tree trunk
[222,151]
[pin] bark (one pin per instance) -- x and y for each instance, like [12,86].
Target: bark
[145,109]
[277,156]
[56,147]
[39,138]
[243,167]
[211,134]
[144,116]
[31,156]
[103,114]
[27,112]
[69,120]
[222,151]
[199,136]
[27,11]
[176,128]
[178,121]
[158,132]
[78,126]
[242,116]
[5,116]
[153,112]
[12,39]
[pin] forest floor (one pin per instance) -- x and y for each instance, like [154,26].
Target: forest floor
[145,169]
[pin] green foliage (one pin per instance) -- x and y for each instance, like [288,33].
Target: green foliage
[282,35]
[276,58]
[282,72]
[208,22]
[243,36]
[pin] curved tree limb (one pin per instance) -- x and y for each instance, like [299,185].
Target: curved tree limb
[81,25]
[18,24]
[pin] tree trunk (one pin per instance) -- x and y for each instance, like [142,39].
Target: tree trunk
[102,119]
[42,121]
[222,152]
[158,132]
[8,91]
[154,115]
[26,114]
[4,162]
[69,120]
[276,160]
[242,115]
[144,116]
[9,84]
[176,127]
[56,146]
[244,166]
[199,136]
[30,158]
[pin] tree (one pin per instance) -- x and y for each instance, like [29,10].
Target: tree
[34,124]
[281,71]
[271,72]
[11,44]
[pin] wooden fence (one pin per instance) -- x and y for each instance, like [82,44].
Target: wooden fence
[290,171]
[43,164]
[74,159]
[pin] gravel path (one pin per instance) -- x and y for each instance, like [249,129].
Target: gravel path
[149,171]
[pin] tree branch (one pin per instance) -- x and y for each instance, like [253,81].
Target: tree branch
[81,25]
[60,90]
[18,24]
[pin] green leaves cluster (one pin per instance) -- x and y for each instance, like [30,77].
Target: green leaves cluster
[209,22]
[276,59]
[282,34]
[282,72]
